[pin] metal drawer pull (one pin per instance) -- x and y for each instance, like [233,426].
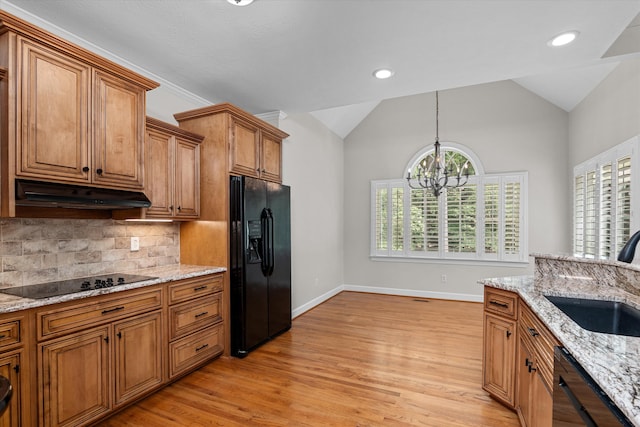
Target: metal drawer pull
[202,314]
[499,304]
[2,336]
[202,347]
[533,332]
[111,310]
[200,288]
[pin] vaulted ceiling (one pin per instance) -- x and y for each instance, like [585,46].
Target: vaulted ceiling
[318,55]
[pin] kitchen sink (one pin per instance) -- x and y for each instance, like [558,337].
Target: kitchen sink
[609,317]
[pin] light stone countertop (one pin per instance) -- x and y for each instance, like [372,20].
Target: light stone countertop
[612,360]
[10,303]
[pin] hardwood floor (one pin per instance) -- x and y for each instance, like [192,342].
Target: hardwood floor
[356,360]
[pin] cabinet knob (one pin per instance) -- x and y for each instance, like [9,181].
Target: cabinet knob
[508,334]
[179,208]
[99,171]
[85,169]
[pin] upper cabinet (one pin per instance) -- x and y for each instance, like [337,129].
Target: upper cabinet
[71,116]
[254,151]
[253,146]
[172,168]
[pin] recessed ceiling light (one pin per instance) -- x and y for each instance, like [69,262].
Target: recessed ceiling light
[383,73]
[563,39]
[240,2]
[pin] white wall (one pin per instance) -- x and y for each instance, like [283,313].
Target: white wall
[313,166]
[508,127]
[608,116]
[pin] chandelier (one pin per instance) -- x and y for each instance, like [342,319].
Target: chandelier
[435,173]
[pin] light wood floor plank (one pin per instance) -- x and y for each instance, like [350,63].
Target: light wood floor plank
[356,360]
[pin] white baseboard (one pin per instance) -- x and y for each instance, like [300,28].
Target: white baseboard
[315,302]
[414,293]
[386,291]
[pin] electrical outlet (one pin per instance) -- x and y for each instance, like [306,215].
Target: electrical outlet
[443,278]
[135,244]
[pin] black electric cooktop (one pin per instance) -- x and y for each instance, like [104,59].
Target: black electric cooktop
[64,287]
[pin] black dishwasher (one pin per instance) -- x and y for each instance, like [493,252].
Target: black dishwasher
[577,398]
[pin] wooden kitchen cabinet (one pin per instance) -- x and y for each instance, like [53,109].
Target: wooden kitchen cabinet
[77,124]
[499,346]
[75,383]
[70,115]
[98,354]
[196,328]
[534,402]
[138,356]
[172,168]
[10,364]
[254,151]
[15,365]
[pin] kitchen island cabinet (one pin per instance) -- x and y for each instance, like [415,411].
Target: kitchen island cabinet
[499,346]
[610,359]
[534,401]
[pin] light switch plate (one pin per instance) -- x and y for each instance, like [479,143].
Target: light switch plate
[135,244]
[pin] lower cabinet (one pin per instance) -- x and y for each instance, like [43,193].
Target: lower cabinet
[534,400]
[518,358]
[86,374]
[75,381]
[10,364]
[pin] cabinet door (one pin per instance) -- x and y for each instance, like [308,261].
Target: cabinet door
[542,402]
[119,112]
[244,149]
[524,398]
[499,358]
[138,353]
[187,179]
[75,378]
[9,368]
[270,158]
[53,109]
[159,173]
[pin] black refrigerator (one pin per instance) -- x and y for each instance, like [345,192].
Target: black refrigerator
[260,264]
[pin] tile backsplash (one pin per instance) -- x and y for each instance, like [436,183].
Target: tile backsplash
[44,250]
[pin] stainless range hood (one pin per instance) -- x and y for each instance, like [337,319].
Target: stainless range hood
[54,195]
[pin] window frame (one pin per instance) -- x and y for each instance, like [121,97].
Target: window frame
[593,167]
[406,254]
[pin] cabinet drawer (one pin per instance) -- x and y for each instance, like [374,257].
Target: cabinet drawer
[191,316]
[94,311]
[194,349]
[10,332]
[185,290]
[501,302]
[542,341]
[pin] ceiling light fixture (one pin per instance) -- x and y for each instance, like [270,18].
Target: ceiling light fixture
[240,2]
[435,170]
[563,39]
[383,73]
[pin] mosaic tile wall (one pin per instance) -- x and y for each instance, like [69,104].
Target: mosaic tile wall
[43,250]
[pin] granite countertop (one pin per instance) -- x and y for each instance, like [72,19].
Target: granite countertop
[10,303]
[612,360]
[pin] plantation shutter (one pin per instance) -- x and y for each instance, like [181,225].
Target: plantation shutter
[623,202]
[424,224]
[579,212]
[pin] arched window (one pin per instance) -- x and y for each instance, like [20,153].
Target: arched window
[482,220]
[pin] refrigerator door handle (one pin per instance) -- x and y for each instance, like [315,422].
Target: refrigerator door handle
[264,225]
[271,242]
